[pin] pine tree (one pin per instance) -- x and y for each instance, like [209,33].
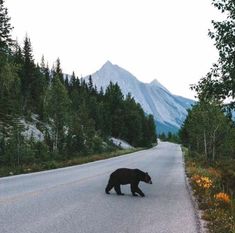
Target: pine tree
[45,70]
[88,128]
[76,136]
[114,99]
[57,107]
[28,76]
[5,28]
[17,56]
[10,101]
[90,83]
[58,71]
[149,131]
[9,91]
[70,84]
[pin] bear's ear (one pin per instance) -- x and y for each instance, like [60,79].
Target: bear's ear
[146,173]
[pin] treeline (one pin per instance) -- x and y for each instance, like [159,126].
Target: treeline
[209,131]
[169,137]
[73,115]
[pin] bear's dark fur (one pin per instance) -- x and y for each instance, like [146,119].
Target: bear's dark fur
[127,176]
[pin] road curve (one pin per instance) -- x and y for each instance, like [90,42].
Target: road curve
[72,200]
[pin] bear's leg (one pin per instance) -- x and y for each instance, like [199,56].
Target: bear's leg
[133,190]
[136,189]
[109,186]
[118,189]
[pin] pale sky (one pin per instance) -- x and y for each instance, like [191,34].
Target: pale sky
[153,39]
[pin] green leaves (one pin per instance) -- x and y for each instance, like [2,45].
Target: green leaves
[9,89]
[219,83]
[56,107]
[207,130]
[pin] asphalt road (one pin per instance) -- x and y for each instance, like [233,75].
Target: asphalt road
[72,200]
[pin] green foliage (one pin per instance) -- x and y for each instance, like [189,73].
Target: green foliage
[114,103]
[9,90]
[57,105]
[220,221]
[219,83]
[33,80]
[208,131]
[170,137]
[5,29]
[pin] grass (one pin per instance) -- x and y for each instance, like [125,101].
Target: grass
[214,191]
[53,164]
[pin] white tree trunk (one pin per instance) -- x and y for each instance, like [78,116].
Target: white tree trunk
[205,145]
[213,143]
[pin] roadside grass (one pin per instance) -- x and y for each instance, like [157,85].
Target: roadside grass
[212,184]
[59,163]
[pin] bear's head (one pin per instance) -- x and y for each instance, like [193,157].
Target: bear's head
[147,178]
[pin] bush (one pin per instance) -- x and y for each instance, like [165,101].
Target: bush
[220,221]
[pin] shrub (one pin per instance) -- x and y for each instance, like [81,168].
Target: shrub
[220,221]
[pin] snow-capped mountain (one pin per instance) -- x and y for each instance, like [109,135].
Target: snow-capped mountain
[168,110]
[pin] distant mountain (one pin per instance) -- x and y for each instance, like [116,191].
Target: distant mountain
[168,110]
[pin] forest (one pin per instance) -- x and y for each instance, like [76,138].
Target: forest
[75,118]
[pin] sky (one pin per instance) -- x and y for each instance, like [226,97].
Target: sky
[165,40]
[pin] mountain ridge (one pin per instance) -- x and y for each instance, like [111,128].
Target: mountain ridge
[168,110]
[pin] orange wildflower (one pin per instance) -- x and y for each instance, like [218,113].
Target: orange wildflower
[222,197]
[202,181]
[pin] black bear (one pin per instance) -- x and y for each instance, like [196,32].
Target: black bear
[127,176]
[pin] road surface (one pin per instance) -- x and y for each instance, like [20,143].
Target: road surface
[72,200]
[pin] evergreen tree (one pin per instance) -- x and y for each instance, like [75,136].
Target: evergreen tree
[90,84]
[70,85]
[150,134]
[76,136]
[114,99]
[132,120]
[101,93]
[58,71]
[66,83]
[5,29]
[28,76]
[56,107]
[44,69]
[162,136]
[87,128]
[9,91]
[17,55]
